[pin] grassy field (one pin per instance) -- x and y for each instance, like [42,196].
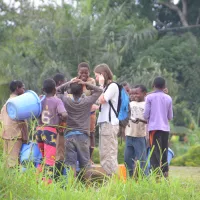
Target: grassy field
[183,184]
[185,173]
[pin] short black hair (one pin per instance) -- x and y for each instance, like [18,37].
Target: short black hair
[83,65]
[49,85]
[125,84]
[59,77]
[14,85]
[142,87]
[76,89]
[159,83]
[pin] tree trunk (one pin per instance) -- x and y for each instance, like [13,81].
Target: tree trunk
[181,13]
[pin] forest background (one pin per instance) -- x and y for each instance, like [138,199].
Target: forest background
[139,40]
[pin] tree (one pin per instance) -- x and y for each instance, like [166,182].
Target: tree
[182,12]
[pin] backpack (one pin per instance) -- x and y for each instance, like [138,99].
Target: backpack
[123,107]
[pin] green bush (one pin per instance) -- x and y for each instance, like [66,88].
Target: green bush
[179,148]
[191,158]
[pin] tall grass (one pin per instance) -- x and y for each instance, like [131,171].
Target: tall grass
[15,185]
[28,185]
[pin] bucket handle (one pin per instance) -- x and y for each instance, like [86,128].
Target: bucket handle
[42,99]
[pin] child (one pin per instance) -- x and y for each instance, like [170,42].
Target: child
[121,133]
[14,132]
[84,75]
[136,131]
[60,150]
[132,94]
[126,86]
[77,133]
[52,110]
[158,112]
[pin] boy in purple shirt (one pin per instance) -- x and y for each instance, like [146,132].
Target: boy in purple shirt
[158,111]
[52,110]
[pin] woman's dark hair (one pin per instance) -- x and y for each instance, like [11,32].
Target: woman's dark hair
[159,83]
[49,85]
[105,71]
[76,89]
[59,77]
[14,85]
[83,65]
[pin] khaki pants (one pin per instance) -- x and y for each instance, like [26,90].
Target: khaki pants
[11,150]
[108,147]
[60,148]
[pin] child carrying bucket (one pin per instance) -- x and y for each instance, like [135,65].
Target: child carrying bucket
[15,132]
[52,110]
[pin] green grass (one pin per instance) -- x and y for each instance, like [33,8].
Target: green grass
[185,172]
[183,184]
[28,185]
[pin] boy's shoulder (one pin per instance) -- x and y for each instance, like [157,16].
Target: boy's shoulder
[90,80]
[54,100]
[156,94]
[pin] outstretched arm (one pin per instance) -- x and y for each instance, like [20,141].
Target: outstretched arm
[60,89]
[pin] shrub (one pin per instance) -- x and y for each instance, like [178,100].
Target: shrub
[191,158]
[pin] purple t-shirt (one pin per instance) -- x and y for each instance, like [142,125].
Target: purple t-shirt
[158,111]
[51,108]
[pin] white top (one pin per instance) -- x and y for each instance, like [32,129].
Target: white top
[133,129]
[112,93]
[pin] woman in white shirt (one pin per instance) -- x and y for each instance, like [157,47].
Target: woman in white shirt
[107,120]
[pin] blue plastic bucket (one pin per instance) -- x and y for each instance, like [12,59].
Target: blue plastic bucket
[24,106]
[169,156]
[30,153]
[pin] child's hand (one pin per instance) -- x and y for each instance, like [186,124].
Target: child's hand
[166,91]
[94,107]
[135,120]
[79,81]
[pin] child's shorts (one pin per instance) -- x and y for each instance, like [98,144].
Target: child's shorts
[77,149]
[46,139]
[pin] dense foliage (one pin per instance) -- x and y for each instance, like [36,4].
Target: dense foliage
[37,42]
